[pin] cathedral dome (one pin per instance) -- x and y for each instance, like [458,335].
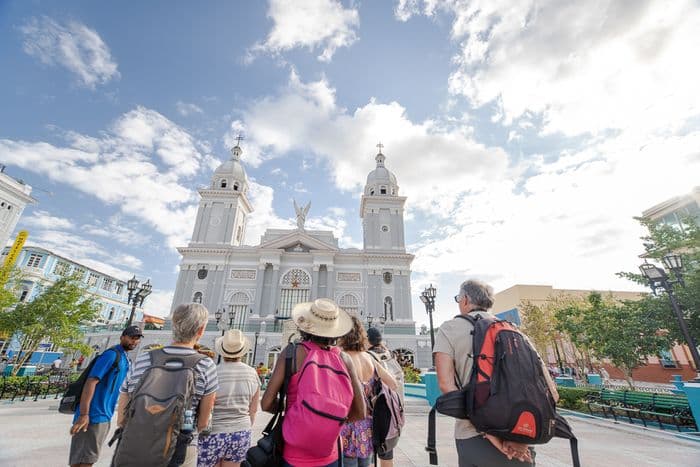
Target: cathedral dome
[381,181]
[231,175]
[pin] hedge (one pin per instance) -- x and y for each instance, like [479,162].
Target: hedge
[574,398]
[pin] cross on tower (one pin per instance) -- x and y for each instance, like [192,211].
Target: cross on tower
[238,140]
[380,146]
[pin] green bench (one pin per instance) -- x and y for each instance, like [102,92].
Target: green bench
[658,408]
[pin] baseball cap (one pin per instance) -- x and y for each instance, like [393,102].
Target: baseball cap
[132,331]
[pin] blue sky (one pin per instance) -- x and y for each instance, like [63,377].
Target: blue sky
[525,134]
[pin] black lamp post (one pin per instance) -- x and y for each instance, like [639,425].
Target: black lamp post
[428,299]
[255,347]
[218,314]
[658,278]
[136,295]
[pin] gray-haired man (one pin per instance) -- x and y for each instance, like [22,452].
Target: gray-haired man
[453,364]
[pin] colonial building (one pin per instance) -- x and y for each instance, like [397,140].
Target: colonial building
[14,196]
[256,287]
[41,267]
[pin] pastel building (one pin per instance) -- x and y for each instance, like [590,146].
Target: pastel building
[14,197]
[41,268]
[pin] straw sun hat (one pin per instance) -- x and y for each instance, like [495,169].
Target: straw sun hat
[322,318]
[233,344]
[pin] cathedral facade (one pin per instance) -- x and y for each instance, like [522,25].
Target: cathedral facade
[254,288]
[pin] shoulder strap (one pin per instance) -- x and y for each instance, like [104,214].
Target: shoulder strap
[431,448]
[373,356]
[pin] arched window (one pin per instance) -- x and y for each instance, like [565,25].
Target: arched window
[197,297]
[349,303]
[296,288]
[371,192]
[224,184]
[388,309]
[235,186]
[382,190]
[239,307]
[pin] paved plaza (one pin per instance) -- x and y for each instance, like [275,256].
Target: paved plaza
[37,435]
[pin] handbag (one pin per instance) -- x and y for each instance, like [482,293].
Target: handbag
[268,450]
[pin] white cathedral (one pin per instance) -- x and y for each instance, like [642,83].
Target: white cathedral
[254,288]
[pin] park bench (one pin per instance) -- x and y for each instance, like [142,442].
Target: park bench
[660,408]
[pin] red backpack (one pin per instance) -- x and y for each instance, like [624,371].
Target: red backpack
[324,395]
[507,394]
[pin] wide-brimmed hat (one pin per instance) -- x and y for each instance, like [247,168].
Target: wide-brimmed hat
[322,318]
[233,344]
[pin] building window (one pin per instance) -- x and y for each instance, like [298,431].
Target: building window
[202,273]
[382,190]
[120,288]
[388,309]
[223,184]
[349,303]
[235,186]
[371,192]
[107,284]
[197,297]
[92,279]
[23,295]
[62,269]
[295,289]
[34,260]
[666,359]
[111,314]
[239,307]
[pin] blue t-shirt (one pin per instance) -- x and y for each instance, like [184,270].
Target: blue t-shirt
[106,394]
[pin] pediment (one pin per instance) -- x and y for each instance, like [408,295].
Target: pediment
[298,241]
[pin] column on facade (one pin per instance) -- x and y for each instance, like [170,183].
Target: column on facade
[314,280]
[260,276]
[330,283]
[275,287]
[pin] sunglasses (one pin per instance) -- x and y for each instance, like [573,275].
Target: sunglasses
[458,298]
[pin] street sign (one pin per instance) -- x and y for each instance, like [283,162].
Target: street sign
[12,255]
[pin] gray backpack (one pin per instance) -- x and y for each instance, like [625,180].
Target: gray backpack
[155,413]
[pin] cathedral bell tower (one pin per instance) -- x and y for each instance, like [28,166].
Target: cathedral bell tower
[381,210]
[224,207]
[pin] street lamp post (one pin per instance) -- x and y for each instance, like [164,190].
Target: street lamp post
[255,347]
[658,278]
[428,299]
[218,314]
[136,295]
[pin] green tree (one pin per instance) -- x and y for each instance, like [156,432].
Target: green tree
[539,324]
[55,315]
[623,332]
[661,240]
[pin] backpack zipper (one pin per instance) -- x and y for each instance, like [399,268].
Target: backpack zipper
[324,414]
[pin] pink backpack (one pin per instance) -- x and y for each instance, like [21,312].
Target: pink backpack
[324,395]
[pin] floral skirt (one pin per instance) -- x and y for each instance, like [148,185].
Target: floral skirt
[230,447]
[357,438]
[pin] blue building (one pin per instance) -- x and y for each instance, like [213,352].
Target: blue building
[41,268]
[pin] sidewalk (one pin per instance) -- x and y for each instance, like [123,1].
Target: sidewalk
[37,435]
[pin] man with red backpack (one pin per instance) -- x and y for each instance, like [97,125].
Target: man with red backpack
[454,364]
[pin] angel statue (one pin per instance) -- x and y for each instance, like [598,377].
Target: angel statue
[301,214]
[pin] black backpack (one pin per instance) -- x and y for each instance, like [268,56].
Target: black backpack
[71,398]
[507,394]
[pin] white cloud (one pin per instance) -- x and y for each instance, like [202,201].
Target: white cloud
[158,303]
[584,68]
[263,216]
[185,109]
[563,219]
[142,166]
[72,45]
[311,24]
[44,220]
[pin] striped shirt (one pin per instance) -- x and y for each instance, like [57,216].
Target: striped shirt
[238,383]
[206,381]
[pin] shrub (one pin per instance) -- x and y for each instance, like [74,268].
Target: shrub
[574,398]
[411,374]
